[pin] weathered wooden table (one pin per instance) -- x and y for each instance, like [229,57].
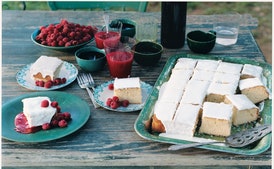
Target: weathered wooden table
[108,138]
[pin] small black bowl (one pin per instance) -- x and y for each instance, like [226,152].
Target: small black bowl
[147,53]
[201,42]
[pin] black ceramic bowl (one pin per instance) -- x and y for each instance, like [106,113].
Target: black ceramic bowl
[128,29]
[201,42]
[147,53]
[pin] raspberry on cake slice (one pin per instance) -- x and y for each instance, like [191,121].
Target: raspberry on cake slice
[45,68]
[128,89]
[251,71]
[232,68]
[216,119]
[244,110]
[216,91]
[254,89]
[186,119]
[37,111]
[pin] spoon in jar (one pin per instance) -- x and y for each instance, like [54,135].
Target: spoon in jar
[106,19]
[239,139]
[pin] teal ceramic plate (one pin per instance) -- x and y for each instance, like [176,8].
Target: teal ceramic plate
[69,48]
[142,124]
[68,70]
[78,108]
[102,93]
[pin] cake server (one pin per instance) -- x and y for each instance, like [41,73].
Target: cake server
[86,81]
[239,139]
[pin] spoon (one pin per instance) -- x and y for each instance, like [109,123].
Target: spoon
[239,139]
[106,19]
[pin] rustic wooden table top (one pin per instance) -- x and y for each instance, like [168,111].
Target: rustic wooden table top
[108,138]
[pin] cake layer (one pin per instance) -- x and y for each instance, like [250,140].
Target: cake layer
[251,71]
[35,114]
[128,89]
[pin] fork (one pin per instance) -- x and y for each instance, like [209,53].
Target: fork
[85,81]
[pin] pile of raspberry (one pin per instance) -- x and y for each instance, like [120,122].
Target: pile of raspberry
[59,119]
[49,84]
[114,102]
[65,34]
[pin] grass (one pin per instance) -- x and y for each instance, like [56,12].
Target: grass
[260,10]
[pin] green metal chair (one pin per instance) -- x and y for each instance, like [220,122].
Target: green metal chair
[102,5]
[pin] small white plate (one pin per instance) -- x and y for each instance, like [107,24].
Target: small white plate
[68,70]
[102,93]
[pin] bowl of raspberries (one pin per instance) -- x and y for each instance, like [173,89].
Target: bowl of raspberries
[64,36]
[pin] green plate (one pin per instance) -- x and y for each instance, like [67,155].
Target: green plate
[78,108]
[142,124]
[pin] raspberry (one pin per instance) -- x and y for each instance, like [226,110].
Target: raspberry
[125,103]
[115,99]
[67,116]
[114,105]
[111,86]
[108,102]
[41,83]
[62,123]
[48,84]
[37,82]
[45,103]
[63,80]
[54,104]
[46,126]
[58,109]
[57,81]
[54,122]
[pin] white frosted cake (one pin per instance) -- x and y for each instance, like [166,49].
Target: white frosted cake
[254,89]
[203,75]
[128,89]
[244,110]
[233,68]
[251,71]
[185,63]
[35,114]
[220,77]
[216,119]
[210,65]
[45,68]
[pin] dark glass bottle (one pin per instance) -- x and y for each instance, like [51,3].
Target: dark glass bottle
[173,24]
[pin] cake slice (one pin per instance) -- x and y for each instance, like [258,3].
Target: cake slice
[210,65]
[216,119]
[203,75]
[232,68]
[185,63]
[128,89]
[186,119]
[251,71]
[244,110]
[254,89]
[220,77]
[216,91]
[35,114]
[45,68]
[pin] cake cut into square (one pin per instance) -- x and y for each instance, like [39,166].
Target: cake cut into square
[251,71]
[244,110]
[128,89]
[232,68]
[216,119]
[254,89]
[220,77]
[45,68]
[185,63]
[210,65]
[203,75]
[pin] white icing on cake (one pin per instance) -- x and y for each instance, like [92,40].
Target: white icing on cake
[217,110]
[165,111]
[203,75]
[221,77]
[124,83]
[207,65]
[252,70]
[47,66]
[35,114]
[232,68]
[250,82]
[241,102]
[185,63]
[222,88]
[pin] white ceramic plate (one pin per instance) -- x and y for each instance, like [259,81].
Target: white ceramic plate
[68,70]
[102,93]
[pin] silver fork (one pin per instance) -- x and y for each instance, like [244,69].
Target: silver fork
[86,81]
